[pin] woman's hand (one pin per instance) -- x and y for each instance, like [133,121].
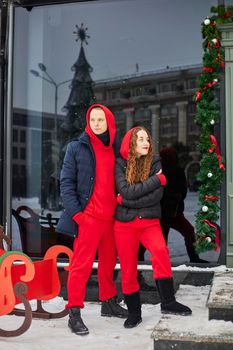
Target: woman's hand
[119,199]
[161,177]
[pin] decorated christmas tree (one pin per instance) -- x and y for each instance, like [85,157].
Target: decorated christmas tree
[211,165]
[81,95]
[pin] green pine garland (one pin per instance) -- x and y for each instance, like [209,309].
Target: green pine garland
[207,115]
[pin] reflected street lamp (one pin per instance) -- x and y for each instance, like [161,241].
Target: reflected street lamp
[47,77]
[50,80]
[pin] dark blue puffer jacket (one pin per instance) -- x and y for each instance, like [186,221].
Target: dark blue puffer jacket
[78,165]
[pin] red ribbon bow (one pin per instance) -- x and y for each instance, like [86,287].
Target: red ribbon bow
[209,85]
[212,198]
[217,234]
[208,69]
[215,144]
[217,45]
[198,95]
[227,14]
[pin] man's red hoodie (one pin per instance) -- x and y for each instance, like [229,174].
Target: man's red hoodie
[102,203]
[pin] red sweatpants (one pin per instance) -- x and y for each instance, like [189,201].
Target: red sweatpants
[128,235]
[93,234]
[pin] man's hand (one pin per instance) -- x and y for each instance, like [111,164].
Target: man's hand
[78,218]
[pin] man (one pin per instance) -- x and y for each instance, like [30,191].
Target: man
[88,193]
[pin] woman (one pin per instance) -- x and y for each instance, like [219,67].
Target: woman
[139,181]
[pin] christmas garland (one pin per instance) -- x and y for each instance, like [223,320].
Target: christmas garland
[207,115]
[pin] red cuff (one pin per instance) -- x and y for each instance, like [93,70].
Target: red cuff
[77,217]
[162,179]
[119,199]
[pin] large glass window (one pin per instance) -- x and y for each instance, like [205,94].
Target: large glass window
[142,61]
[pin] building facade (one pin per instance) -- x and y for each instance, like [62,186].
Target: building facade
[163,102]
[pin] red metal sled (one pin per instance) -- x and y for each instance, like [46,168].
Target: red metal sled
[26,281]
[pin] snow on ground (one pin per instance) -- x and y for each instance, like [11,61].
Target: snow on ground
[109,333]
[105,333]
[197,325]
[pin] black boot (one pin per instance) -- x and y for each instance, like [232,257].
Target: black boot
[169,305]
[134,309]
[143,285]
[194,258]
[76,323]
[111,308]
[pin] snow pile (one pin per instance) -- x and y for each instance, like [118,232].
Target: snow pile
[197,325]
[109,333]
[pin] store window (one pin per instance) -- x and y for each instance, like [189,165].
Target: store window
[192,83]
[130,65]
[167,87]
[168,110]
[23,136]
[15,135]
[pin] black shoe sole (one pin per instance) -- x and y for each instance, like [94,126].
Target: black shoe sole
[79,333]
[132,326]
[83,333]
[176,313]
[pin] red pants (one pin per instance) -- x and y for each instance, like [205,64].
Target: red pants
[128,235]
[93,234]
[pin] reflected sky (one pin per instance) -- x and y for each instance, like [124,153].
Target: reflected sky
[127,37]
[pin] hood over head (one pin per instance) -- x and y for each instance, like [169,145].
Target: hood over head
[110,122]
[124,150]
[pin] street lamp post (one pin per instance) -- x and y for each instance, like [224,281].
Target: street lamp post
[47,77]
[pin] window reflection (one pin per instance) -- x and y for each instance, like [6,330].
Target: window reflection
[138,73]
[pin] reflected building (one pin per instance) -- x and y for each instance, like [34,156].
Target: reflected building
[162,101]
[34,152]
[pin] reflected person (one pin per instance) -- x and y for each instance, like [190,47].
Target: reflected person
[172,203]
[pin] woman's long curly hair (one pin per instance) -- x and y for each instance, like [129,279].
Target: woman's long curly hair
[138,168]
